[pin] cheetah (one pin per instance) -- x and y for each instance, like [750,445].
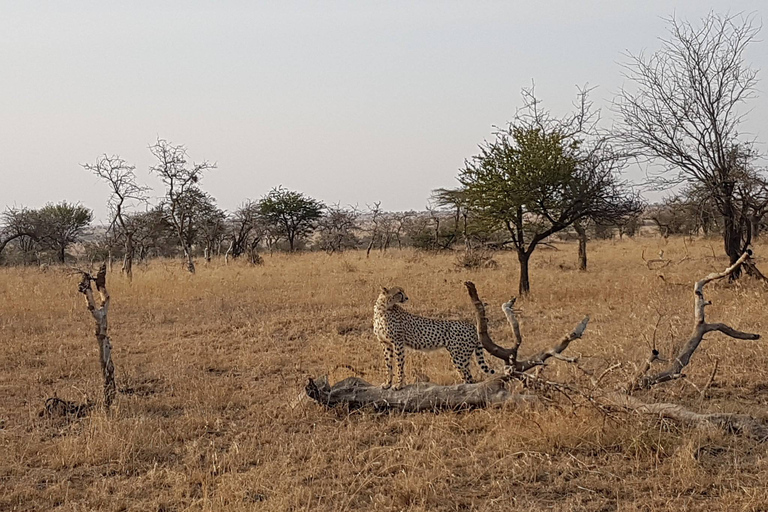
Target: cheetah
[396,329]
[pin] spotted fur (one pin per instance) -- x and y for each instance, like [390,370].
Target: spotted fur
[397,329]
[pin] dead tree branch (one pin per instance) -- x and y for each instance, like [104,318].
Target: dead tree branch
[355,393]
[99,313]
[732,423]
[509,355]
[701,327]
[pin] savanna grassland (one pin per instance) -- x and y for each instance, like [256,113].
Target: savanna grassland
[211,368]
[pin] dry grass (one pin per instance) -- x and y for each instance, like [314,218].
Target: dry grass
[212,369]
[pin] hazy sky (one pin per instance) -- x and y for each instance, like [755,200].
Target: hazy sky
[353,102]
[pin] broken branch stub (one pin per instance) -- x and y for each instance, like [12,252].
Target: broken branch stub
[700,328]
[99,313]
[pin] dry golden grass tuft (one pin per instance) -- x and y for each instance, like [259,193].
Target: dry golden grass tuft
[211,369]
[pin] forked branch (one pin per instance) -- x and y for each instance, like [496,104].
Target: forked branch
[510,355]
[99,313]
[700,328]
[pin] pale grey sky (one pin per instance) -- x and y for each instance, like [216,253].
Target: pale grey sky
[354,102]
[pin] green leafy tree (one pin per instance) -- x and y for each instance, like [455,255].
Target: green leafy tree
[541,174]
[292,214]
[16,224]
[60,225]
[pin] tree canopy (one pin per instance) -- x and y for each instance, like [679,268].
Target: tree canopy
[293,214]
[541,174]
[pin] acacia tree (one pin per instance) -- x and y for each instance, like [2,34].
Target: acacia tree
[18,223]
[243,227]
[541,174]
[683,110]
[121,179]
[207,224]
[153,232]
[60,225]
[181,179]
[292,214]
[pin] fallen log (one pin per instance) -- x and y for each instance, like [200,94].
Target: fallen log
[356,393]
[731,423]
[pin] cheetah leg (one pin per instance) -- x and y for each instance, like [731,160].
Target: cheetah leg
[387,346]
[400,353]
[481,360]
[461,362]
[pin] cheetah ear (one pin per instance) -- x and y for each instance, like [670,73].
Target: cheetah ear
[383,290]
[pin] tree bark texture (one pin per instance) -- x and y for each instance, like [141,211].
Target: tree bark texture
[99,313]
[355,393]
[582,232]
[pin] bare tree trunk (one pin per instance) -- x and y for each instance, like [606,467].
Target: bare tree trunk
[190,262]
[582,232]
[128,263]
[525,283]
[731,234]
[188,256]
[99,314]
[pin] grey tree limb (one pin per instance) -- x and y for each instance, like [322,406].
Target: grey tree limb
[356,393]
[700,328]
[99,312]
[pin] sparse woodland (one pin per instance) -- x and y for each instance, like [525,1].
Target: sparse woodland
[211,411]
[234,366]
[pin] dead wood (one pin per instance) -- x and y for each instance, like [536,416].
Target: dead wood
[99,313]
[56,407]
[656,263]
[356,393]
[509,355]
[700,328]
[741,424]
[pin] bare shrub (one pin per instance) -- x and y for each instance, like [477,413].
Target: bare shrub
[475,258]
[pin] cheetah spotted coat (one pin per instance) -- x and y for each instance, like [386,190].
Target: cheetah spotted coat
[396,329]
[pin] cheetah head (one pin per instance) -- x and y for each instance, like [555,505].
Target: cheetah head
[394,295]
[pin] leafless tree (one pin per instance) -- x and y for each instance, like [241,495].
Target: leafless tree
[684,110]
[181,178]
[242,224]
[374,225]
[400,222]
[121,179]
[337,228]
